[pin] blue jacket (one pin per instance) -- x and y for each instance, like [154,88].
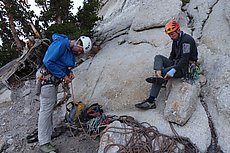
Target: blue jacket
[59,57]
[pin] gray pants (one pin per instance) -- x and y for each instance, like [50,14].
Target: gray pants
[164,64]
[48,98]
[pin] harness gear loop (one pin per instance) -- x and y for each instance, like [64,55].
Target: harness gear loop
[46,77]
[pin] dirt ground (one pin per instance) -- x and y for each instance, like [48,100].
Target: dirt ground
[67,143]
[19,119]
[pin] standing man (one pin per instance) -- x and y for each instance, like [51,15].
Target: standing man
[58,59]
[184,51]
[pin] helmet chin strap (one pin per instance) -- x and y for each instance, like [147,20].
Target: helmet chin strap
[179,34]
[72,43]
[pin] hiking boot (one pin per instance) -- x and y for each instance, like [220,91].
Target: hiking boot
[156,80]
[47,148]
[145,105]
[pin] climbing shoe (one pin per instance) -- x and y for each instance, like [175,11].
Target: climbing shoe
[145,105]
[155,80]
[47,148]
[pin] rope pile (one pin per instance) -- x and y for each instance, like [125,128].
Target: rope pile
[144,138]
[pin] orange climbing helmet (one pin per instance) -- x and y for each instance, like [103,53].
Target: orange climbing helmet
[172,26]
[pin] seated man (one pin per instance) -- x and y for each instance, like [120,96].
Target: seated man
[184,50]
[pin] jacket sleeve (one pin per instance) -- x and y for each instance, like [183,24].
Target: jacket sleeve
[185,54]
[69,71]
[54,52]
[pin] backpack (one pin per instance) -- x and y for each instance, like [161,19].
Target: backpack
[91,112]
[73,110]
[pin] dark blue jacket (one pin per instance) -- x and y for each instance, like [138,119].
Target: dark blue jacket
[183,51]
[59,57]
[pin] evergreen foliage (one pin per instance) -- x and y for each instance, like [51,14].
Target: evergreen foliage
[13,26]
[55,11]
[87,16]
[7,54]
[55,17]
[68,29]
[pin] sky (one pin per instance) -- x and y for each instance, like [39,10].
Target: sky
[77,3]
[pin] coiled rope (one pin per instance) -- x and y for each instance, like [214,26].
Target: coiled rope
[144,138]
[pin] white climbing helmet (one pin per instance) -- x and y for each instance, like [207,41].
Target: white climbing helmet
[86,43]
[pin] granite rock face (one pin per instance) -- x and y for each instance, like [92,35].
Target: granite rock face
[131,34]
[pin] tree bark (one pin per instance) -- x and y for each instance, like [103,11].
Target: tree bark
[14,32]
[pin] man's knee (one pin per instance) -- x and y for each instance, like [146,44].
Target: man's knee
[158,57]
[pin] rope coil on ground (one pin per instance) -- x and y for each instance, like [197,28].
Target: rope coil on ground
[144,138]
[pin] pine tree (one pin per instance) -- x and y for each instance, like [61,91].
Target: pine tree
[57,17]
[14,27]
[87,16]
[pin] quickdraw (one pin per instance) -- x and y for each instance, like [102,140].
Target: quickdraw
[193,72]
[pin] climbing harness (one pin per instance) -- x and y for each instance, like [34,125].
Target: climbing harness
[44,77]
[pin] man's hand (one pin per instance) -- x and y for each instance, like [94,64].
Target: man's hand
[158,74]
[68,79]
[71,76]
[170,73]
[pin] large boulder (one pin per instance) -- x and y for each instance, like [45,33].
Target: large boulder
[182,101]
